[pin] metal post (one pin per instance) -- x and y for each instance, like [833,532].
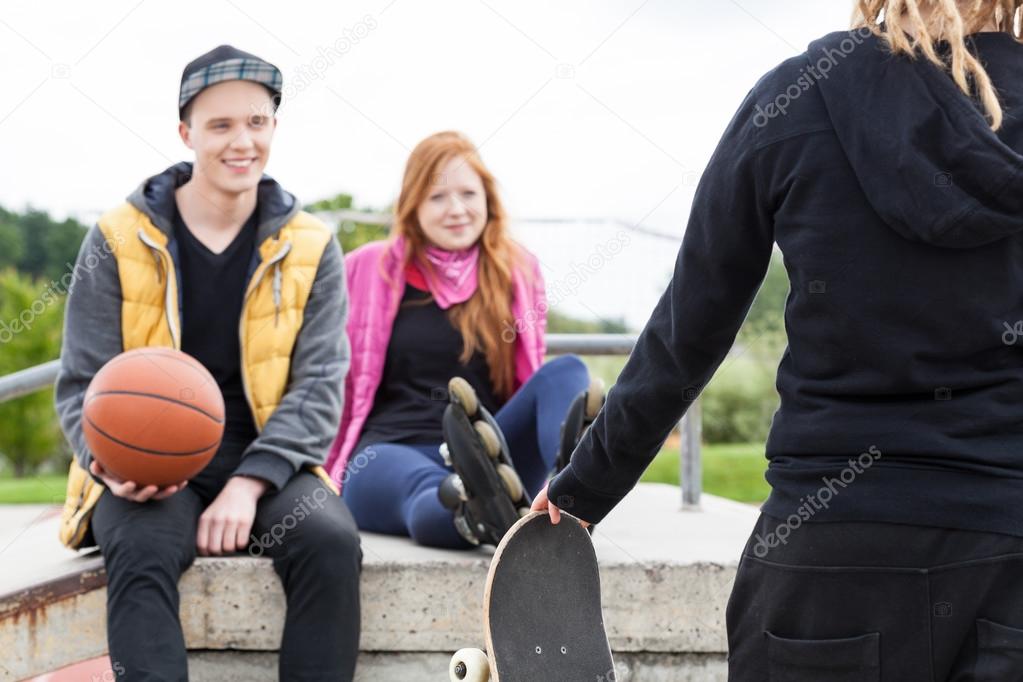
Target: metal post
[690,470]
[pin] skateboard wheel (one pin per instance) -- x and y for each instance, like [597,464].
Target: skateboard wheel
[511,480]
[594,398]
[462,393]
[491,442]
[469,665]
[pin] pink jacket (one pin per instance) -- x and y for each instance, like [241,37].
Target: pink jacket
[373,305]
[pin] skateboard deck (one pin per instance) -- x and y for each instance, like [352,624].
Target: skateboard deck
[542,618]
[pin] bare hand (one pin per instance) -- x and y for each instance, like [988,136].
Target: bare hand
[541,503]
[130,490]
[225,525]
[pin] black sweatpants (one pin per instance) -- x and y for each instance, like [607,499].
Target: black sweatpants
[876,602]
[305,528]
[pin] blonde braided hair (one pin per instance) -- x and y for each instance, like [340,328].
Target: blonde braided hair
[950,21]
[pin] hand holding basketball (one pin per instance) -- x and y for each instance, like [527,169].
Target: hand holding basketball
[130,490]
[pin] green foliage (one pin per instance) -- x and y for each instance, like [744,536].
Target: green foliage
[350,233]
[766,313]
[31,313]
[561,323]
[735,471]
[339,202]
[39,246]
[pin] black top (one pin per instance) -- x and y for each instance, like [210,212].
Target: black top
[212,292]
[900,216]
[422,356]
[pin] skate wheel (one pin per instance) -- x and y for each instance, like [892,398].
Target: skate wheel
[511,480]
[469,665]
[594,398]
[462,393]
[491,441]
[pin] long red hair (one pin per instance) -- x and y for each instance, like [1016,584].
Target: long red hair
[482,318]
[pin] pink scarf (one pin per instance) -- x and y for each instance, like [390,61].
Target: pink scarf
[455,274]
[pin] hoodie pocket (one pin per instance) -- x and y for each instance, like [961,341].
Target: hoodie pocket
[851,659]
[999,653]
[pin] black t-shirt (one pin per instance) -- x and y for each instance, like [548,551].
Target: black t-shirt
[212,292]
[422,356]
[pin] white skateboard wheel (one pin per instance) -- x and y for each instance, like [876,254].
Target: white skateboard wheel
[469,665]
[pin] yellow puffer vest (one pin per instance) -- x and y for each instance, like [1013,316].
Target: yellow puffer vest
[270,321]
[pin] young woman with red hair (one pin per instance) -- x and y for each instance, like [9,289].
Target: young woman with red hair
[448,294]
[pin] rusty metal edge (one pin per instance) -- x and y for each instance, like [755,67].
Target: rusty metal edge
[90,576]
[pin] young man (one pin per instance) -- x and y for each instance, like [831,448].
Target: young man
[216,259]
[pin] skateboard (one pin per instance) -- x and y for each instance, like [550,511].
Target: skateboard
[542,619]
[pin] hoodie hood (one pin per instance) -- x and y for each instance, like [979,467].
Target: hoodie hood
[923,152]
[155,198]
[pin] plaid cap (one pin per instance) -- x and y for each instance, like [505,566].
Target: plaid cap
[227,63]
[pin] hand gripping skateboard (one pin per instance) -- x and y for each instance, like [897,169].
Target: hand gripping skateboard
[542,619]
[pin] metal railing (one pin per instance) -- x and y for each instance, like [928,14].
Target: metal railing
[690,472]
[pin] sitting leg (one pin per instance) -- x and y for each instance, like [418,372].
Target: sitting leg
[314,542]
[146,547]
[392,488]
[531,419]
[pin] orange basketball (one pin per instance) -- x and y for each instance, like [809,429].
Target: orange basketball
[154,416]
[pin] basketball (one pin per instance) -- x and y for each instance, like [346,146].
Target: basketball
[154,416]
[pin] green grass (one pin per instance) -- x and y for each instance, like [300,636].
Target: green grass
[732,470]
[47,489]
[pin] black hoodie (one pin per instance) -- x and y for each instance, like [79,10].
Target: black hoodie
[900,217]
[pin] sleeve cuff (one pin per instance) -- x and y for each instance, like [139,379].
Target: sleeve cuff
[570,494]
[275,470]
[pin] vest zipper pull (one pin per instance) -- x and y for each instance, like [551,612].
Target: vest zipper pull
[277,292]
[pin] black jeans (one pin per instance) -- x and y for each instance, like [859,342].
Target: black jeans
[876,602]
[305,528]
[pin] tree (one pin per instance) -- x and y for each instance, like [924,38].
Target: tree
[350,233]
[36,245]
[31,313]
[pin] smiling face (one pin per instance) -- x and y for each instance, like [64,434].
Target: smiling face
[230,126]
[454,212]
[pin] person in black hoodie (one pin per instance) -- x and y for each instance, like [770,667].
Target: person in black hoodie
[885,163]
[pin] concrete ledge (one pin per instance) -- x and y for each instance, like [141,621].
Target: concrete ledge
[666,575]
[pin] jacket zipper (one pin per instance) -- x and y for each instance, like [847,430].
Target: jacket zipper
[168,268]
[256,279]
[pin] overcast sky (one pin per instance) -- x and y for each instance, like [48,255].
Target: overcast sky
[582,109]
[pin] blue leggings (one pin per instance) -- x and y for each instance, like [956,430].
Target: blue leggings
[392,488]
